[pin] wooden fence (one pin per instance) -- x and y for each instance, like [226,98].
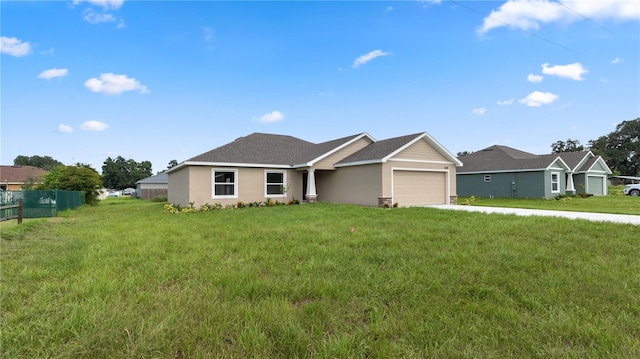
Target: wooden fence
[11,208]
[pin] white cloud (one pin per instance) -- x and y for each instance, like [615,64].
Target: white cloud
[572,71]
[65,128]
[112,84]
[388,8]
[505,102]
[617,60]
[93,17]
[537,99]
[53,73]
[534,78]
[14,47]
[529,14]
[269,117]
[479,111]
[368,57]
[105,4]
[94,126]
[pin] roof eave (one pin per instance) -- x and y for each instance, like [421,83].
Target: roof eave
[336,149]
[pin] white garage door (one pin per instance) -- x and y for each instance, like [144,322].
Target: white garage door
[412,188]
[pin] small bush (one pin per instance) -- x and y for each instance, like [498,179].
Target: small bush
[159,199]
[469,201]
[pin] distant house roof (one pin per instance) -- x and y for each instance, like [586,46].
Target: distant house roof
[21,174]
[261,149]
[159,178]
[502,158]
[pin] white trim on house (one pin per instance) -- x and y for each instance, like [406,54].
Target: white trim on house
[266,184]
[563,165]
[235,183]
[336,149]
[557,182]
[420,161]
[584,159]
[358,163]
[447,180]
[225,164]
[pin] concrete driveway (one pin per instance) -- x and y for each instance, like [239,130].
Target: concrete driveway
[596,217]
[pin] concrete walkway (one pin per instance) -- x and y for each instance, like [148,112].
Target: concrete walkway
[596,217]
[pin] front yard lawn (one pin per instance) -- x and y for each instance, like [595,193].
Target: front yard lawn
[125,280]
[615,203]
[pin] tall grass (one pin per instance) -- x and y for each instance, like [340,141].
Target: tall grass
[125,280]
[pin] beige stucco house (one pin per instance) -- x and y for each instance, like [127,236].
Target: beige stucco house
[409,170]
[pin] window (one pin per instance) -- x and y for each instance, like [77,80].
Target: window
[275,183]
[555,182]
[225,183]
[487,178]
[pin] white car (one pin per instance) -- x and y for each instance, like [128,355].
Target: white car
[632,189]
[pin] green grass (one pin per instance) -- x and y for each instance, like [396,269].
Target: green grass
[124,280]
[615,203]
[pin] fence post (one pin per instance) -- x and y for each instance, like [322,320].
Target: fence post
[21,203]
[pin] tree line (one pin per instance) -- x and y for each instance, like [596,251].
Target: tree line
[117,173]
[620,149]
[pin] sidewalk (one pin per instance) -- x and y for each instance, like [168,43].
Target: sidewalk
[596,217]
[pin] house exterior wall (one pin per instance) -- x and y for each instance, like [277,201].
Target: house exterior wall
[250,182]
[504,184]
[328,162]
[421,150]
[562,183]
[179,187]
[360,185]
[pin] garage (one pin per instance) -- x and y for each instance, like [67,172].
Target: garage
[595,185]
[416,187]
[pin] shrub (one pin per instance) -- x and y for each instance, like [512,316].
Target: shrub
[159,199]
[469,201]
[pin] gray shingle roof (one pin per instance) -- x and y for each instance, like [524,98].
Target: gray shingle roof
[259,148]
[503,158]
[268,149]
[159,178]
[380,149]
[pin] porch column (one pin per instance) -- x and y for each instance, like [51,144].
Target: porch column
[311,194]
[570,187]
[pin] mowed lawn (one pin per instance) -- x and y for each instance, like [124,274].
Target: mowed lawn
[125,280]
[616,202]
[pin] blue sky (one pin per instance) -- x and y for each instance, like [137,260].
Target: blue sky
[162,80]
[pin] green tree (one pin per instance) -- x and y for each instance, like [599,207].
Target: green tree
[46,163]
[621,148]
[172,164]
[120,173]
[75,178]
[569,146]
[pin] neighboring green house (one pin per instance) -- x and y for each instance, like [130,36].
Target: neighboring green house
[501,171]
